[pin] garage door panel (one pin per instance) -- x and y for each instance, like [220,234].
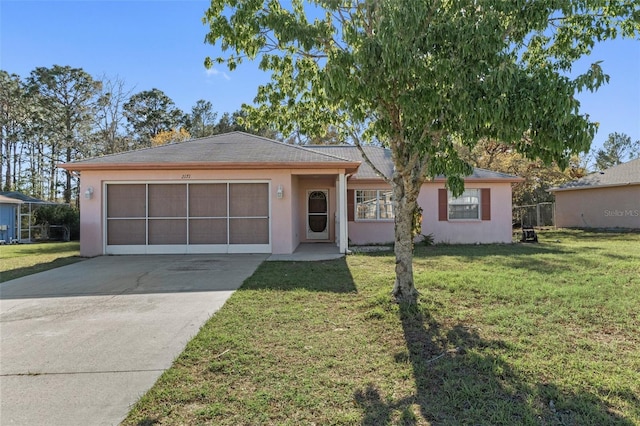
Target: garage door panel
[126,201]
[208,231]
[208,200]
[188,217]
[126,232]
[248,199]
[167,231]
[248,231]
[167,200]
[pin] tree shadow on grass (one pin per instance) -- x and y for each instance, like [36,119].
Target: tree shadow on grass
[461,378]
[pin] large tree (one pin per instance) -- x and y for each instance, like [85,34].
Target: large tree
[67,98]
[151,112]
[109,119]
[421,76]
[201,122]
[617,149]
[13,107]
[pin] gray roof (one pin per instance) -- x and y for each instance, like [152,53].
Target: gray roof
[623,174]
[245,150]
[381,158]
[8,200]
[235,147]
[24,198]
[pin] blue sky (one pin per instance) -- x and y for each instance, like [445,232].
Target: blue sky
[161,44]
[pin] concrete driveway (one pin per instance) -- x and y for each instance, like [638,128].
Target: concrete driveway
[80,344]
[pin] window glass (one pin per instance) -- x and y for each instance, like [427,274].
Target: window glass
[374,205]
[466,206]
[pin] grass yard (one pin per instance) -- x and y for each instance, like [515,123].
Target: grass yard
[25,259]
[533,334]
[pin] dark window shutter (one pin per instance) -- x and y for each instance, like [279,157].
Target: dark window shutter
[350,204]
[485,200]
[442,204]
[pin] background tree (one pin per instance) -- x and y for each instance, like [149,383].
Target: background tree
[421,76]
[109,119]
[149,113]
[58,215]
[538,177]
[237,122]
[330,136]
[617,149]
[173,135]
[13,107]
[68,96]
[201,122]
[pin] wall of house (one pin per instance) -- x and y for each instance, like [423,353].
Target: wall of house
[283,235]
[8,215]
[362,232]
[496,230]
[611,207]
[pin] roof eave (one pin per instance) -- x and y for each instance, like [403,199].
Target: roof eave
[514,179]
[349,167]
[578,188]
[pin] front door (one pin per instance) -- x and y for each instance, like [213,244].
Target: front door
[318,214]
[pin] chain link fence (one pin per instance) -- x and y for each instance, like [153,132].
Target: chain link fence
[534,215]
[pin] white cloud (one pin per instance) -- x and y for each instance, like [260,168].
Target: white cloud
[212,71]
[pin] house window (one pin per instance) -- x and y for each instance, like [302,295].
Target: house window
[466,206]
[374,205]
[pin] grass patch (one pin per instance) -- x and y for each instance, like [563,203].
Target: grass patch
[19,260]
[505,334]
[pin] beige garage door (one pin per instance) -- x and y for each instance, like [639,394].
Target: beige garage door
[218,217]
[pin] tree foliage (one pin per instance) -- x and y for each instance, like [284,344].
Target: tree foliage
[617,149]
[173,135]
[151,112]
[60,215]
[13,117]
[109,134]
[66,97]
[62,114]
[201,122]
[538,177]
[421,77]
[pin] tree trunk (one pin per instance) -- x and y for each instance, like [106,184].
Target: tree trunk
[67,185]
[405,203]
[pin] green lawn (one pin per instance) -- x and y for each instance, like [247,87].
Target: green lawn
[538,334]
[26,259]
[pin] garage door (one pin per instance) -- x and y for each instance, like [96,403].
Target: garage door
[207,217]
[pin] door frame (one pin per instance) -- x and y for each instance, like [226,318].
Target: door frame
[310,235]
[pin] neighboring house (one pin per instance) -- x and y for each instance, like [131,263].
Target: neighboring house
[240,193]
[9,219]
[606,199]
[26,230]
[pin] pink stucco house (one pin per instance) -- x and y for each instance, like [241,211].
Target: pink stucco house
[240,193]
[606,199]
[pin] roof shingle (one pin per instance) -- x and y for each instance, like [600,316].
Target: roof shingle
[623,174]
[235,147]
[246,150]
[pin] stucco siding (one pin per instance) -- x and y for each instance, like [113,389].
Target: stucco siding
[363,232]
[92,210]
[609,207]
[496,230]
